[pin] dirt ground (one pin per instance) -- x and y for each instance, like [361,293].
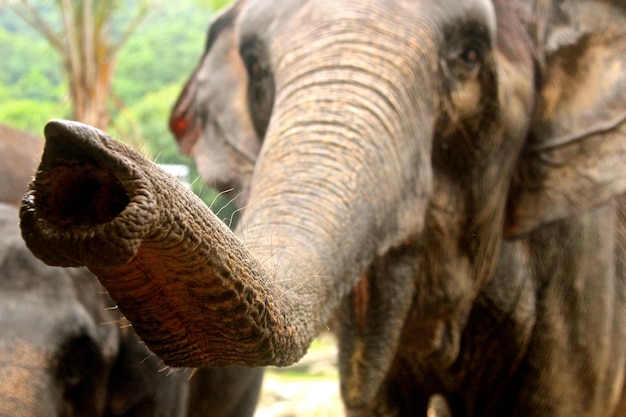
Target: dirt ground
[309,388]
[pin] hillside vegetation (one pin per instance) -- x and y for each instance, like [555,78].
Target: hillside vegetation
[151,69]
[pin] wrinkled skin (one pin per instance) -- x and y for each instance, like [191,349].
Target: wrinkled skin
[19,155]
[449,174]
[210,118]
[211,122]
[63,351]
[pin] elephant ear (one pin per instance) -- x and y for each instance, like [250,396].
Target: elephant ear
[575,156]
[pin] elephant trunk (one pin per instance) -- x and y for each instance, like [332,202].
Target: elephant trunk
[316,218]
[191,289]
[194,293]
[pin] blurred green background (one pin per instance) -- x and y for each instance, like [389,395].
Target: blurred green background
[150,68]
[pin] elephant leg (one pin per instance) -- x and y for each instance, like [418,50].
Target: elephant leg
[224,392]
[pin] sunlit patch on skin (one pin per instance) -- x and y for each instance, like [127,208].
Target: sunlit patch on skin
[18,362]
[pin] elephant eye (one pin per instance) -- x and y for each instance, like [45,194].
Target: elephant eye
[467,47]
[251,61]
[466,61]
[260,84]
[470,57]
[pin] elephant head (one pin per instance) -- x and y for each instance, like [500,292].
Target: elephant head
[63,351]
[210,119]
[460,160]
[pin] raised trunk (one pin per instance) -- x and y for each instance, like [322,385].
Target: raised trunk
[192,290]
[316,218]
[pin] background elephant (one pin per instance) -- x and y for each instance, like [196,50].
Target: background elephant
[19,156]
[461,161]
[227,392]
[210,119]
[63,350]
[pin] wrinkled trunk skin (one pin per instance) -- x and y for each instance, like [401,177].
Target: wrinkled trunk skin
[153,244]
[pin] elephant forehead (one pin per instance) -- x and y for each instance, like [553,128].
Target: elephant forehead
[42,326]
[404,17]
[357,34]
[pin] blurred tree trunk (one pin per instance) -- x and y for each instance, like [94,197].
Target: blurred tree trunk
[84,38]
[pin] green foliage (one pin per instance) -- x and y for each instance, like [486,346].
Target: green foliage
[26,58]
[31,115]
[32,89]
[151,69]
[163,50]
[218,4]
[144,125]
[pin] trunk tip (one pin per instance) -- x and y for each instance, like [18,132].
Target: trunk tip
[59,127]
[85,191]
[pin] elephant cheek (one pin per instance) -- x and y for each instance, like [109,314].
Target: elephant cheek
[20,391]
[26,389]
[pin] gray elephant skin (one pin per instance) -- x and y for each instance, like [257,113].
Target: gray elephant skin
[450,175]
[62,348]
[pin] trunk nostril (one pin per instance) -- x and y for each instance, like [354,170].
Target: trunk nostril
[86,194]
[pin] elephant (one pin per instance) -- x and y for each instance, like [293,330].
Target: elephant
[210,122]
[63,350]
[210,118]
[20,152]
[449,175]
